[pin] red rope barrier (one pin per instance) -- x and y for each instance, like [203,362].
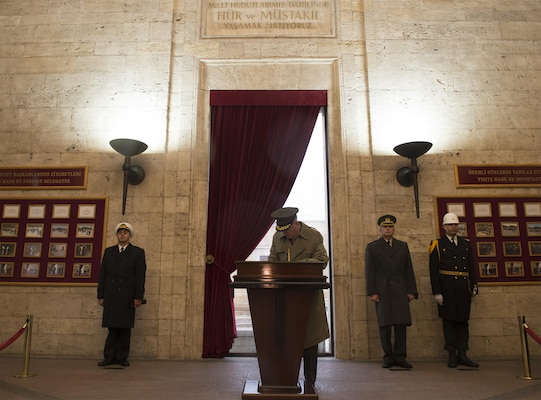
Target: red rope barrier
[13,338]
[534,335]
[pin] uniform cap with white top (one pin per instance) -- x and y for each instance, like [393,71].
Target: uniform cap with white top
[124,225]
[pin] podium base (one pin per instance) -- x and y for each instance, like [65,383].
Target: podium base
[251,392]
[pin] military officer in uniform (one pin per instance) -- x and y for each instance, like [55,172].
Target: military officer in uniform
[296,241]
[390,284]
[121,287]
[454,283]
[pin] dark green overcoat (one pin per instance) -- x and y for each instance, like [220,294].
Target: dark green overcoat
[389,274]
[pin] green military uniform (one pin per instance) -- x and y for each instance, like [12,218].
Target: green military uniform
[306,246]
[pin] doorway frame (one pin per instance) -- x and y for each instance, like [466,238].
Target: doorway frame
[272,74]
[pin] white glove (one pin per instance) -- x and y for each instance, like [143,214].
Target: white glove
[475,290]
[439,299]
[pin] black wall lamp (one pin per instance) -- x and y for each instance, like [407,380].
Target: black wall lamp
[407,176]
[133,174]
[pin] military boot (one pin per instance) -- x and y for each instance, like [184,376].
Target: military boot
[452,363]
[464,360]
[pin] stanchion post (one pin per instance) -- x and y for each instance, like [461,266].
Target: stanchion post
[27,346]
[524,347]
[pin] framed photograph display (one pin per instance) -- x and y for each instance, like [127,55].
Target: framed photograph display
[34,230]
[83,250]
[32,250]
[82,270]
[533,228]
[488,269]
[536,268]
[10,229]
[59,230]
[7,249]
[58,250]
[6,269]
[484,229]
[512,249]
[510,228]
[48,241]
[514,268]
[505,233]
[85,231]
[486,249]
[534,248]
[56,270]
[462,229]
[30,270]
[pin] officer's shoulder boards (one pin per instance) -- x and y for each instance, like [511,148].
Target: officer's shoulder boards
[433,245]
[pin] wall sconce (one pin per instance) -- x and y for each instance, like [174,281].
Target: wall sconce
[407,176]
[133,174]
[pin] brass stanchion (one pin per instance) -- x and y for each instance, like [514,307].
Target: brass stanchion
[27,346]
[525,350]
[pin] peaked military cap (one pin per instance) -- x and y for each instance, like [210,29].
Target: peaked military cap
[124,225]
[387,220]
[284,217]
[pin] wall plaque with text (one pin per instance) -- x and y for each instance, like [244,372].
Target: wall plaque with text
[262,18]
[43,177]
[498,175]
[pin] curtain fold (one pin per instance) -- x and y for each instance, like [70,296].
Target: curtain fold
[256,154]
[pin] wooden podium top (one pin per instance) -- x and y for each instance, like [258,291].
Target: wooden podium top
[280,273]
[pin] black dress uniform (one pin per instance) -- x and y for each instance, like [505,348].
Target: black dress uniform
[121,281]
[453,275]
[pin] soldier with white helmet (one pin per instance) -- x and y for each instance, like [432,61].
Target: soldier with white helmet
[454,283]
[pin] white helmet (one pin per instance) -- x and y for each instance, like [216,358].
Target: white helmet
[450,218]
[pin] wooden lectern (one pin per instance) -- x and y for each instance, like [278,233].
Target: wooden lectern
[280,295]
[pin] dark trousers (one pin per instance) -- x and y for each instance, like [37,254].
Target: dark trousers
[117,344]
[309,356]
[456,334]
[398,350]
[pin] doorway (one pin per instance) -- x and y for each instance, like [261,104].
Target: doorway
[310,195]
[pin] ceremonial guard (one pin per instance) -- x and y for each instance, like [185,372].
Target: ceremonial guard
[390,284]
[454,283]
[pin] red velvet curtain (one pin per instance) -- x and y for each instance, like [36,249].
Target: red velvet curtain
[258,142]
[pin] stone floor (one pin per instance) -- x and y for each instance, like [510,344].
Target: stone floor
[224,379]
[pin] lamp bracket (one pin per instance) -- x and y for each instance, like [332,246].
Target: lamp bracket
[407,176]
[136,174]
[133,174]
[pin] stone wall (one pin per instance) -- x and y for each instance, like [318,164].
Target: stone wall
[74,75]
[461,75]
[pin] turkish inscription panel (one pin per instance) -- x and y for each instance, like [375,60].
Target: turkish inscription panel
[268,18]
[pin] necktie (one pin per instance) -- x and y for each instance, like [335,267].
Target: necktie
[122,249]
[453,240]
[389,243]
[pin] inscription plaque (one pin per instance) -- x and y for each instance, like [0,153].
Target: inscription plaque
[268,18]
